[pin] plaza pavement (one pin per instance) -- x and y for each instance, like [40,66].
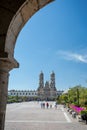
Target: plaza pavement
[30,116]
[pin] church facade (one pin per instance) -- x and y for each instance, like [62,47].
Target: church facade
[45,91]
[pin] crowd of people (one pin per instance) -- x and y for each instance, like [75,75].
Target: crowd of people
[48,105]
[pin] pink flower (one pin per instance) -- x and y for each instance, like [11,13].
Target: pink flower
[77,109]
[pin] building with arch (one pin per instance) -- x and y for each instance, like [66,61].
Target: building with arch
[14,15]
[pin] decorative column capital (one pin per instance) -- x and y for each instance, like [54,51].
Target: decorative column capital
[7,64]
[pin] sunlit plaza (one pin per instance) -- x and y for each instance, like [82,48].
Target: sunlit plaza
[30,116]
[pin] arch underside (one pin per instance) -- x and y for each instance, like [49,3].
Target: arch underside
[14,15]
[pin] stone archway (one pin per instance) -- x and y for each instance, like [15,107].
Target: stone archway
[14,15]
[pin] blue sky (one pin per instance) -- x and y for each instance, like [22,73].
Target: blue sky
[54,39]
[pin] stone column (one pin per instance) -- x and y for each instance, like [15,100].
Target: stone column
[3,96]
[5,66]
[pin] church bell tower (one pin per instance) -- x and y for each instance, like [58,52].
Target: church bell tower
[40,89]
[52,85]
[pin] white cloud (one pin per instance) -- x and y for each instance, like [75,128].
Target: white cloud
[73,56]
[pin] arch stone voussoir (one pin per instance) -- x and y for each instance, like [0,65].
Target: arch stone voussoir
[19,20]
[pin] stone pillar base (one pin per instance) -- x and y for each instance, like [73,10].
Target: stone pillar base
[2,119]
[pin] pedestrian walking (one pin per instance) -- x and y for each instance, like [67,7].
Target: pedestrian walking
[47,105]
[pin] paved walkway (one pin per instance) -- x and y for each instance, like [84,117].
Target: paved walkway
[30,116]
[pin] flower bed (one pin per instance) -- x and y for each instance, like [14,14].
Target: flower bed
[76,108]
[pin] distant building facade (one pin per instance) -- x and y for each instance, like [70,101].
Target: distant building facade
[45,91]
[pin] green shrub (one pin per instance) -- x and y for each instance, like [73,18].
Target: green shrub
[84,112]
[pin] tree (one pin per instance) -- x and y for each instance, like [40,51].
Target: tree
[76,95]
